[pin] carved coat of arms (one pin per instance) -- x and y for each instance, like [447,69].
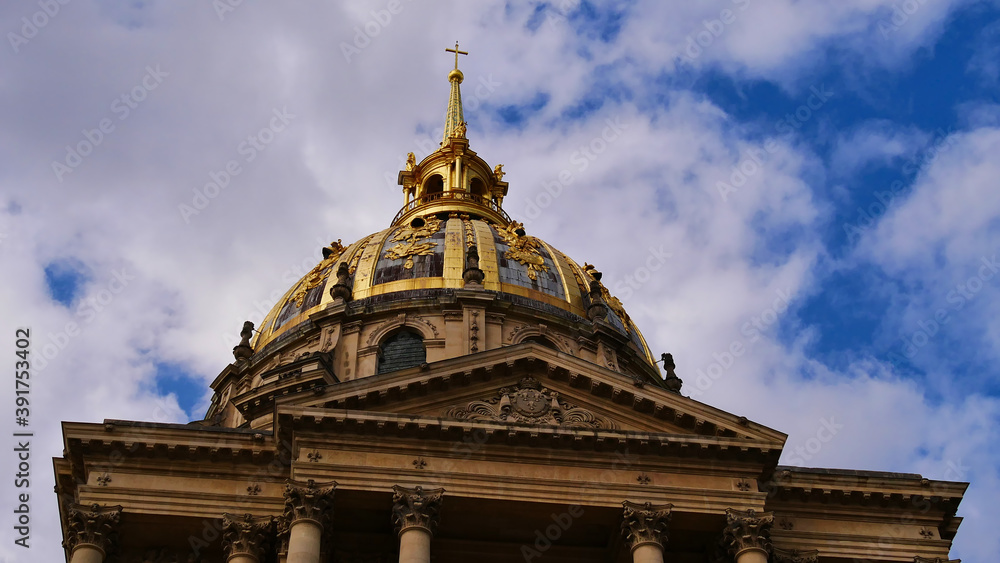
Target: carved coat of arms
[531,403]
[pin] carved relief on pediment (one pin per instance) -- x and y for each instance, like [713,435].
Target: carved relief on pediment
[530,402]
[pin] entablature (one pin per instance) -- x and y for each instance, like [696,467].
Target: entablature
[291,418]
[863,515]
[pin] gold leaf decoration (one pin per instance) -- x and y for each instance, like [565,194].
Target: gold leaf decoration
[412,246]
[470,236]
[320,273]
[353,266]
[523,249]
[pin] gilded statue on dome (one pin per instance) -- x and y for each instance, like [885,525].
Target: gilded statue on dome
[498,172]
[411,161]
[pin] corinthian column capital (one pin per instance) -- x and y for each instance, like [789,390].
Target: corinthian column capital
[247,535]
[416,508]
[748,530]
[92,525]
[645,523]
[308,501]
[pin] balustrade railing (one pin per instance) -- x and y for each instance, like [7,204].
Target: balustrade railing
[475,199]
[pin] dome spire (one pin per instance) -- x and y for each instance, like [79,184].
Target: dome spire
[454,120]
[453,180]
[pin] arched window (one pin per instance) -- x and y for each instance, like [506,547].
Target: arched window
[404,349]
[477,186]
[434,185]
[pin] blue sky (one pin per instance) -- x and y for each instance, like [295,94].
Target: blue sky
[822,175]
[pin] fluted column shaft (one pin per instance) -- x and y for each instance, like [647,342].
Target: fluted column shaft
[308,508]
[415,515]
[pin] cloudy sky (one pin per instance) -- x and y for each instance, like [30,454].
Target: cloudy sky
[813,184]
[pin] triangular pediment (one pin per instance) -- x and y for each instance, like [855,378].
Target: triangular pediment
[531,385]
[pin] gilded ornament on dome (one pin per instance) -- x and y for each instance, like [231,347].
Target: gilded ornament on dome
[523,249]
[320,273]
[411,161]
[470,236]
[410,244]
[498,172]
[353,266]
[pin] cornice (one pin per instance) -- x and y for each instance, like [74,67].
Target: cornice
[305,374]
[162,441]
[830,488]
[329,421]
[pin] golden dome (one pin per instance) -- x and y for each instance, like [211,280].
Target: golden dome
[450,253]
[425,259]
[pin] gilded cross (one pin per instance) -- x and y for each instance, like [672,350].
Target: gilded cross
[457,53]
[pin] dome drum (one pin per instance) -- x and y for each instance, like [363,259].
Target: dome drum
[450,323]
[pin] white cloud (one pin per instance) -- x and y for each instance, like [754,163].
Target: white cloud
[878,142]
[779,39]
[941,242]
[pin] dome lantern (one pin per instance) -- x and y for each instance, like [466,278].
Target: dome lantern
[452,178]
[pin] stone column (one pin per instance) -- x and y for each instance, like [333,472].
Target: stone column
[308,507]
[415,517]
[645,530]
[748,535]
[92,532]
[246,539]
